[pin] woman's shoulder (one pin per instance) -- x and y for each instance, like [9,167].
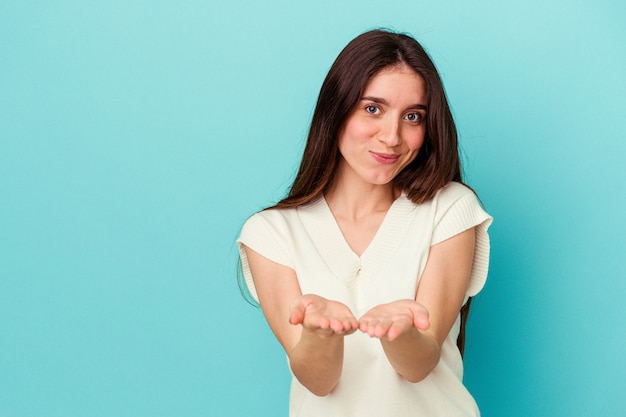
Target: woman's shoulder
[264,228]
[269,216]
[455,189]
[277,217]
[453,192]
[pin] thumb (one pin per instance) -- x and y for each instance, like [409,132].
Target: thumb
[296,312]
[421,319]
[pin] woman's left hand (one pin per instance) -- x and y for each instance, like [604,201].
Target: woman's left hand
[394,319]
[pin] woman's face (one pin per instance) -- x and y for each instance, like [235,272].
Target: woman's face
[386,129]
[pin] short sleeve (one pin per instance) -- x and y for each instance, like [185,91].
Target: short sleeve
[265,237]
[458,210]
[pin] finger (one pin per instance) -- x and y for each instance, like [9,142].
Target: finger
[369,327]
[296,314]
[397,328]
[354,324]
[349,332]
[318,322]
[300,309]
[366,325]
[336,326]
[363,324]
[421,321]
[378,328]
[342,326]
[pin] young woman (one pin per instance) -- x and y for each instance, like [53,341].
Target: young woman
[363,270]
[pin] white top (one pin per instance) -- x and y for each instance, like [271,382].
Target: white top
[308,240]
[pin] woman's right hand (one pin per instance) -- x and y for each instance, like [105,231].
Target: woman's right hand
[315,349]
[320,315]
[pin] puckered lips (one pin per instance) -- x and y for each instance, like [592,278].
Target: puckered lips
[385,158]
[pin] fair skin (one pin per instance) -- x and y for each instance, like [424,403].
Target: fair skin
[381,136]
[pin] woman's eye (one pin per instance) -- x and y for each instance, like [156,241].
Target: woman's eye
[414,117]
[372,109]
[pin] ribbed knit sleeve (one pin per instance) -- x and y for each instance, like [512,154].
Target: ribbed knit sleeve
[459,210]
[265,238]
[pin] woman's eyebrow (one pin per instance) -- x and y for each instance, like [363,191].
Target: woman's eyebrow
[379,100]
[375,99]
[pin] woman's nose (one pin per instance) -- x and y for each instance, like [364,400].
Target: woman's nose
[390,133]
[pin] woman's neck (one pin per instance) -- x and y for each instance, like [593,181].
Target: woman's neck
[358,200]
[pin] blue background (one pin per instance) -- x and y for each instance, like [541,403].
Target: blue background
[137,136]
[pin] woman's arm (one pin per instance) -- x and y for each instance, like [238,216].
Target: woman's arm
[310,328]
[413,331]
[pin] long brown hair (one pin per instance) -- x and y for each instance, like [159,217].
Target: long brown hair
[437,162]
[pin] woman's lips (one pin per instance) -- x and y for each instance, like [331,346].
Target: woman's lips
[385,158]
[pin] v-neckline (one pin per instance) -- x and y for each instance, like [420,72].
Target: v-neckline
[332,246]
[340,236]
